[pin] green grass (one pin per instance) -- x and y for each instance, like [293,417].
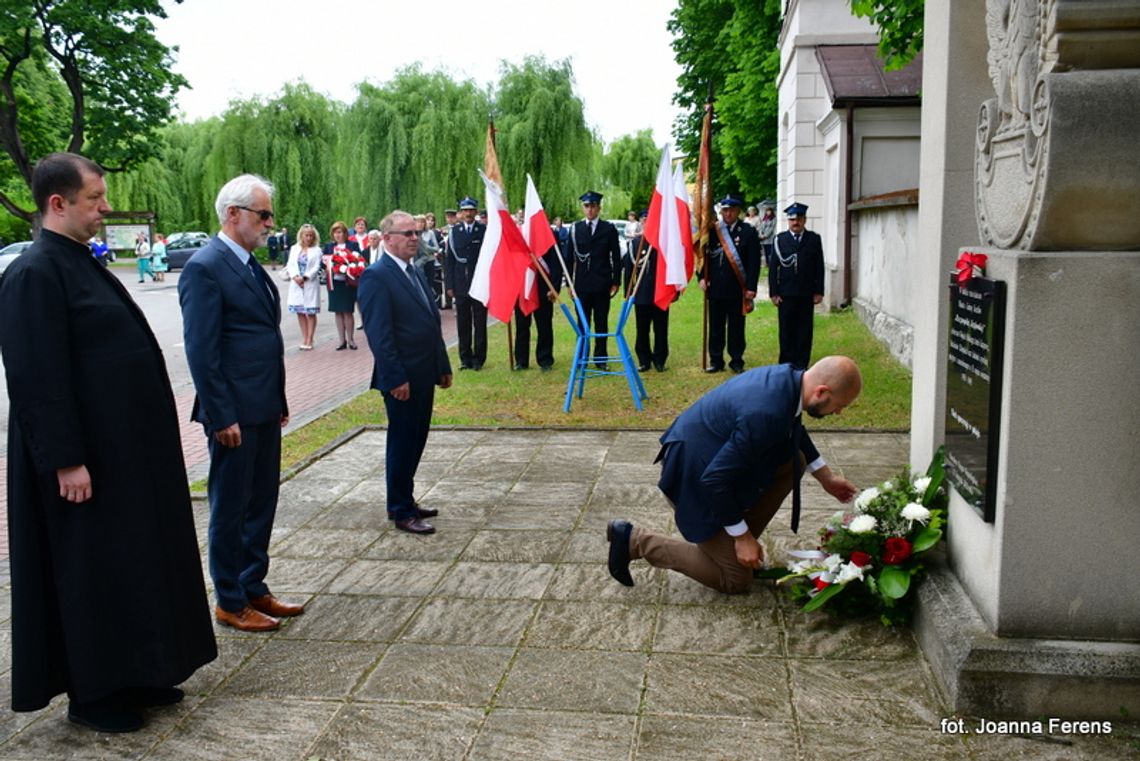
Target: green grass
[498,396]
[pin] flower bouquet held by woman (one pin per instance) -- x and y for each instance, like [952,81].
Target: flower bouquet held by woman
[869,560]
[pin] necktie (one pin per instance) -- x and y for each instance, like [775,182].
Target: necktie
[592,223]
[253,270]
[415,282]
[797,426]
[797,237]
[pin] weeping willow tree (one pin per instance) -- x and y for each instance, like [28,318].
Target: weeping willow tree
[631,165]
[413,143]
[542,130]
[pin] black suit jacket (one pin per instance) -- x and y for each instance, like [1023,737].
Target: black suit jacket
[231,324]
[594,260]
[803,276]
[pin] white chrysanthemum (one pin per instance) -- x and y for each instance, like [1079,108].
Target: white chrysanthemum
[836,520]
[865,498]
[832,563]
[863,524]
[888,486]
[916,512]
[849,572]
[921,484]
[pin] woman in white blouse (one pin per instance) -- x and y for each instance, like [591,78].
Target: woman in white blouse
[304,287]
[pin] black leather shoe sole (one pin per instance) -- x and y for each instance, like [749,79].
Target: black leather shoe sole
[105,716]
[617,534]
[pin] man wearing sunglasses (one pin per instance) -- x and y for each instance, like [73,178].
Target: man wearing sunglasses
[401,321]
[231,318]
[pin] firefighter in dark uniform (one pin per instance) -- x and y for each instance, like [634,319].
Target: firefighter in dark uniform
[593,254]
[729,279]
[648,316]
[462,253]
[795,283]
[543,318]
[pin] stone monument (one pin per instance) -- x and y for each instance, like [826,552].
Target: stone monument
[1037,612]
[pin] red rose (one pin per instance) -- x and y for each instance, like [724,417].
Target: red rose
[896,551]
[860,558]
[820,584]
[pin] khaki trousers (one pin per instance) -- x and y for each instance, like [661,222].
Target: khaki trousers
[713,562]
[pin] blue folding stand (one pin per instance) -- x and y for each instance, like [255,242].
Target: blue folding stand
[585,367]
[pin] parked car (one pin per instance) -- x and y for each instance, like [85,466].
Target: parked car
[9,253]
[175,237]
[180,251]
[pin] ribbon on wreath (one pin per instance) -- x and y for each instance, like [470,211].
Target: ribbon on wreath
[970,265]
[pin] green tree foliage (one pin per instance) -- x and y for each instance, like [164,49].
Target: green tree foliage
[413,142]
[631,163]
[107,77]
[542,130]
[730,47]
[900,27]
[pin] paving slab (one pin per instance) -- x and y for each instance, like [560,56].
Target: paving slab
[503,636]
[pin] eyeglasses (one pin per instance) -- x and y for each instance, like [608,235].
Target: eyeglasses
[405,233]
[262,214]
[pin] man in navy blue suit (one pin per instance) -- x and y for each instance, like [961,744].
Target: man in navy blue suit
[401,320]
[231,324]
[728,462]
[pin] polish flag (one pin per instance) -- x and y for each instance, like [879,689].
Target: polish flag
[503,258]
[663,231]
[540,239]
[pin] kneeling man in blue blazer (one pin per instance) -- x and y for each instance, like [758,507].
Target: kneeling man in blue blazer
[728,462]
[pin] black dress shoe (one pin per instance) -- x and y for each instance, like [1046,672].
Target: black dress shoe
[519,366]
[736,368]
[342,347]
[415,526]
[714,369]
[106,715]
[659,366]
[546,368]
[477,366]
[617,534]
[151,697]
[643,367]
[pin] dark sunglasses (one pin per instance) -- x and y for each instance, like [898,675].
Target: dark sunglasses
[262,214]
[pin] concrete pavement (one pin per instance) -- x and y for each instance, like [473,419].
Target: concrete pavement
[503,637]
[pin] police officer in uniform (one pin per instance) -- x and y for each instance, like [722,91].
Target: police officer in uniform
[593,254]
[729,278]
[795,283]
[462,253]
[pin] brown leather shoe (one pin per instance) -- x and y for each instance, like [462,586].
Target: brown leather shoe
[247,620]
[415,526]
[271,606]
[425,512]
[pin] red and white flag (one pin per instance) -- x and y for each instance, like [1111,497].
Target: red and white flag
[663,231]
[503,258]
[540,239]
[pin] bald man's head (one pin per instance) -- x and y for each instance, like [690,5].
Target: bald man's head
[830,385]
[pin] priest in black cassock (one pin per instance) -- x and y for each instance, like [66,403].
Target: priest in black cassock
[108,601]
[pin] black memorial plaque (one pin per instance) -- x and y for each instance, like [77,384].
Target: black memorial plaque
[973,390]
